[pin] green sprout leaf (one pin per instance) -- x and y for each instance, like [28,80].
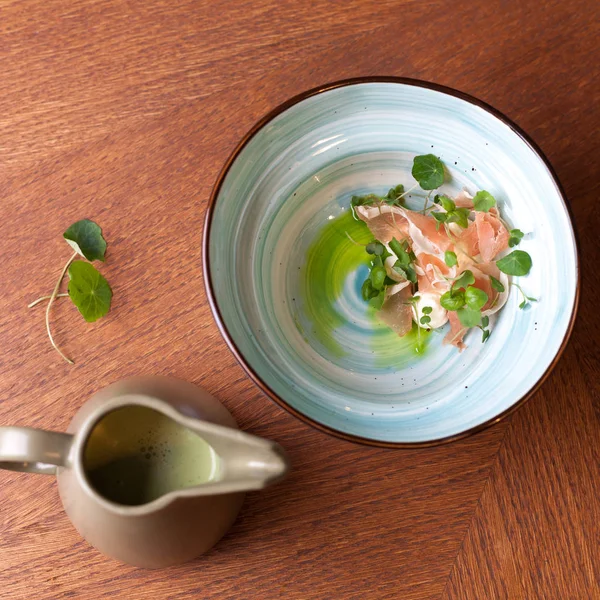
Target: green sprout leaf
[526,299]
[366,290]
[89,291]
[377,301]
[517,263]
[452,300]
[496,284]
[515,236]
[459,216]
[485,321]
[85,237]
[397,248]
[469,317]
[467,278]
[485,336]
[483,201]
[428,170]
[450,258]
[425,320]
[376,248]
[378,276]
[393,195]
[447,203]
[475,298]
[427,310]
[440,218]
[397,268]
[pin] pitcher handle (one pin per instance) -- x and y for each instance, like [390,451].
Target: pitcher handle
[33,450]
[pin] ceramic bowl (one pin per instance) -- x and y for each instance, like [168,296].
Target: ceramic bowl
[313,347]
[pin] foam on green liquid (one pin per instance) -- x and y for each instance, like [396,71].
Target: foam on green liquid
[331,258]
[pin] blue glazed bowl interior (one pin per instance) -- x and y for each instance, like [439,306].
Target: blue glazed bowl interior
[346,373]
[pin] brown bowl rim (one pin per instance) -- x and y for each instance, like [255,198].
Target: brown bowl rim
[238,355]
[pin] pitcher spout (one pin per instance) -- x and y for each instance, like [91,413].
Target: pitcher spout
[246,462]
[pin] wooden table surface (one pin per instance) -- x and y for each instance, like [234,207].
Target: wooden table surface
[124,112]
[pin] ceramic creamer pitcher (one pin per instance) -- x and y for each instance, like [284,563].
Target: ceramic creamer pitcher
[152,470]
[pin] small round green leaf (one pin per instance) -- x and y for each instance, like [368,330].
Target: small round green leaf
[427,310]
[460,216]
[452,300]
[516,263]
[89,291]
[378,300]
[469,317]
[428,170]
[483,201]
[376,248]
[85,237]
[496,284]
[447,203]
[450,258]
[378,276]
[467,278]
[475,298]
[516,235]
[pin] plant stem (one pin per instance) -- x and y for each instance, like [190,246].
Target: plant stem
[52,297]
[407,191]
[45,298]
[426,203]
[354,241]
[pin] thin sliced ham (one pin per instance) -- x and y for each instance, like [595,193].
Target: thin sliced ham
[424,234]
[396,312]
[457,332]
[492,236]
[384,221]
[433,272]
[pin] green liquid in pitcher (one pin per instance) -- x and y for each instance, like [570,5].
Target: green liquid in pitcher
[135,455]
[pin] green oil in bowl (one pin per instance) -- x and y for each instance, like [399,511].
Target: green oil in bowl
[337,253]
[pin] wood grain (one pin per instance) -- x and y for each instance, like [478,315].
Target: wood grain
[125,112]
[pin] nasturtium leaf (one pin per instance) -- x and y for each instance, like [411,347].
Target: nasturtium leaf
[475,298]
[516,263]
[515,236]
[89,291]
[485,321]
[485,336]
[85,237]
[450,258]
[467,278]
[483,201]
[452,300]
[427,310]
[428,170]
[496,284]
[425,320]
[469,317]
